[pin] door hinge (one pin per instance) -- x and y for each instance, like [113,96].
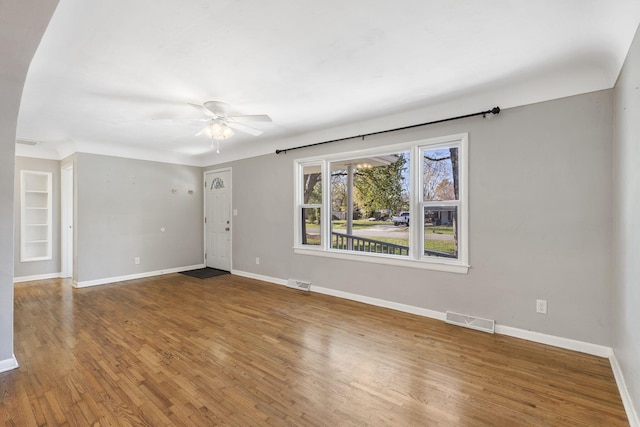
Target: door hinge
[205,219]
[205,255]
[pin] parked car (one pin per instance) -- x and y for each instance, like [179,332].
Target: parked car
[403,219]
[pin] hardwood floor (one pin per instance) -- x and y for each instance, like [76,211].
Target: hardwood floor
[174,350]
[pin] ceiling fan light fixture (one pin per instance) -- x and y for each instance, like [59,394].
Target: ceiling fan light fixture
[227,132]
[219,130]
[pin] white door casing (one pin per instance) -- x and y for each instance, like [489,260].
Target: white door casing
[66,184]
[218,219]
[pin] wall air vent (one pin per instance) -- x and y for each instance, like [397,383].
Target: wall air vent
[299,284]
[477,323]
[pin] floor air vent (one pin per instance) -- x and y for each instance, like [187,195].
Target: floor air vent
[299,284]
[477,323]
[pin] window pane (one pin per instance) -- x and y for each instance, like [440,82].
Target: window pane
[312,185]
[440,174]
[441,231]
[365,194]
[311,226]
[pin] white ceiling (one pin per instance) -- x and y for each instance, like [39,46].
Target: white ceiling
[107,70]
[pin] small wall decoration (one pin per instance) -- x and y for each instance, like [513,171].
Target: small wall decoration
[217,184]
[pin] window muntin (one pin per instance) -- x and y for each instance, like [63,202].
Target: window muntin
[433,195]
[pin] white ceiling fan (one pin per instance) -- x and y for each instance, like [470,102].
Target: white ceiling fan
[222,123]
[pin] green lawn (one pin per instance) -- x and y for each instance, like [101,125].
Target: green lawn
[357,224]
[446,246]
[438,229]
[313,239]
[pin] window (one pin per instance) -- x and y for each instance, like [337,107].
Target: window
[440,200]
[365,192]
[402,205]
[311,205]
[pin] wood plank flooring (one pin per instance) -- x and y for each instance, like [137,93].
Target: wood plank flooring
[175,350]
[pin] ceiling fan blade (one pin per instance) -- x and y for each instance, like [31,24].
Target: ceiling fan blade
[244,128]
[203,131]
[204,110]
[217,108]
[195,119]
[250,118]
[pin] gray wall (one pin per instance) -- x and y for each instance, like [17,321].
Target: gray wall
[626,302]
[33,268]
[540,222]
[22,23]
[121,205]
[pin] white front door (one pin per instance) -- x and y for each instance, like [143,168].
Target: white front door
[218,219]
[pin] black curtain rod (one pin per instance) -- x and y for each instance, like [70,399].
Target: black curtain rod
[494,110]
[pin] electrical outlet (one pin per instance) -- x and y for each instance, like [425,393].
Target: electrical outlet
[136,260]
[541,306]
[257,260]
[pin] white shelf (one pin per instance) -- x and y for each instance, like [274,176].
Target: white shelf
[35,216]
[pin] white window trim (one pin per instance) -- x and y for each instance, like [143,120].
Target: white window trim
[299,202]
[416,258]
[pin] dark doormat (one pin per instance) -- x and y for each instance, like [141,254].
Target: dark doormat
[205,273]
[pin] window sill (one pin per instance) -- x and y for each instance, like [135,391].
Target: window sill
[424,264]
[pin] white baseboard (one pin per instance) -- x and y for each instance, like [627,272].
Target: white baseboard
[555,341]
[632,415]
[37,277]
[380,303]
[566,343]
[259,277]
[106,280]
[8,364]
